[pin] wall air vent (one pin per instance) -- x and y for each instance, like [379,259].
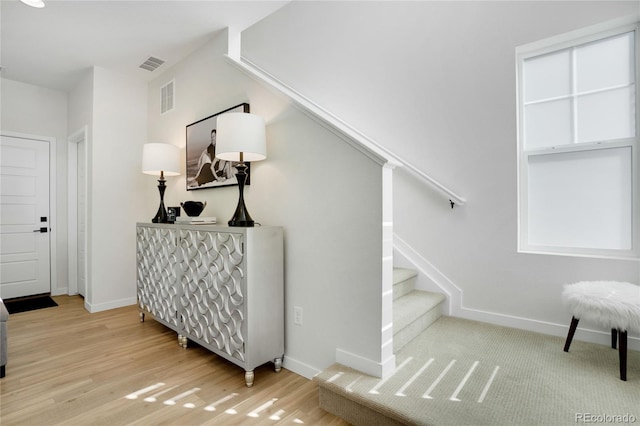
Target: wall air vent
[151,64]
[167,97]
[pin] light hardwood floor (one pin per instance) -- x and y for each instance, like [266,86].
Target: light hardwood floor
[67,366]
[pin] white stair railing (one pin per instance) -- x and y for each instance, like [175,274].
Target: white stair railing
[354,137]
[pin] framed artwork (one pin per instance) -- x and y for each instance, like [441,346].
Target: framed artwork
[204,170]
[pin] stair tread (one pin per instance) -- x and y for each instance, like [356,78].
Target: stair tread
[413,305]
[403,274]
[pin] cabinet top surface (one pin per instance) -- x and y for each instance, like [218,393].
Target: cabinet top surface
[208,227]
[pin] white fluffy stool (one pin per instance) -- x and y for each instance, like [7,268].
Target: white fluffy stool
[612,304]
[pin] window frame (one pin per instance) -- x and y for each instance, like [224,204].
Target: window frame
[548,46]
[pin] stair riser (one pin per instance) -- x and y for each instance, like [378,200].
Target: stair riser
[351,411]
[408,333]
[403,287]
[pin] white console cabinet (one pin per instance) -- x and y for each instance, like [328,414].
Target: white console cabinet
[221,287]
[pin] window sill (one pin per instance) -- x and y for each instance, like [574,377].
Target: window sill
[627,256]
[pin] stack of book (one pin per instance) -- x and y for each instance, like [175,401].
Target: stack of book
[196,220]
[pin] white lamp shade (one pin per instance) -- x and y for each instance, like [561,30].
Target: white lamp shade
[160,157]
[34,3]
[240,132]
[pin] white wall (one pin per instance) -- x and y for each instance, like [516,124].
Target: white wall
[325,194]
[114,205]
[435,83]
[80,109]
[38,111]
[80,122]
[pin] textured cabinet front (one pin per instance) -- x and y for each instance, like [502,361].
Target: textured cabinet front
[212,299]
[220,287]
[158,271]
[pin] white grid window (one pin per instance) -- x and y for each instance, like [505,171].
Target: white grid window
[578,145]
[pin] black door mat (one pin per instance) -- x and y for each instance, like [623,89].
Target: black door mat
[15,306]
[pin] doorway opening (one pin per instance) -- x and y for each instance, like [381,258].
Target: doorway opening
[77,212]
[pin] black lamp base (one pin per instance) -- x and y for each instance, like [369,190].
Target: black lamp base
[244,223]
[241,216]
[161,215]
[241,222]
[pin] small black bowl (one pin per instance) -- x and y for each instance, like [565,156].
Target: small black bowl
[193,208]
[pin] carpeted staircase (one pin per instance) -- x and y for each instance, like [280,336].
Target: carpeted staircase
[461,372]
[413,312]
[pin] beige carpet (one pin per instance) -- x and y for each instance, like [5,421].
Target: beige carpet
[461,372]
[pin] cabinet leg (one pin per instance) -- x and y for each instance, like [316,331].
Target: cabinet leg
[182,341]
[278,364]
[141,314]
[248,378]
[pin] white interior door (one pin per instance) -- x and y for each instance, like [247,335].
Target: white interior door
[24,217]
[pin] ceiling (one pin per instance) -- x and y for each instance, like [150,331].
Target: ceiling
[52,46]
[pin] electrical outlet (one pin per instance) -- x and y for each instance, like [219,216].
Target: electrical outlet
[297,315]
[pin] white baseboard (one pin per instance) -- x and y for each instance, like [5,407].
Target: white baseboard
[300,368]
[93,308]
[345,358]
[366,365]
[60,291]
[552,329]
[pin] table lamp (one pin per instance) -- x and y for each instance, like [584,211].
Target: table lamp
[161,159]
[240,138]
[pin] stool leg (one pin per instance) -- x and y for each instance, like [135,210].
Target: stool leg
[623,355]
[614,338]
[572,331]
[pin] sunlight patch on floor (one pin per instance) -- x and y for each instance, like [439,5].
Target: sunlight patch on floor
[212,407]
[154,397]
[454,396]
[404,387]
[427,394]
[488,385]
[136,394]
[383,381]
[383,386]
[255,412]
[172,401]
[277,416]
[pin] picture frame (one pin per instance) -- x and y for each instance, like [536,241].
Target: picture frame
[203,169]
